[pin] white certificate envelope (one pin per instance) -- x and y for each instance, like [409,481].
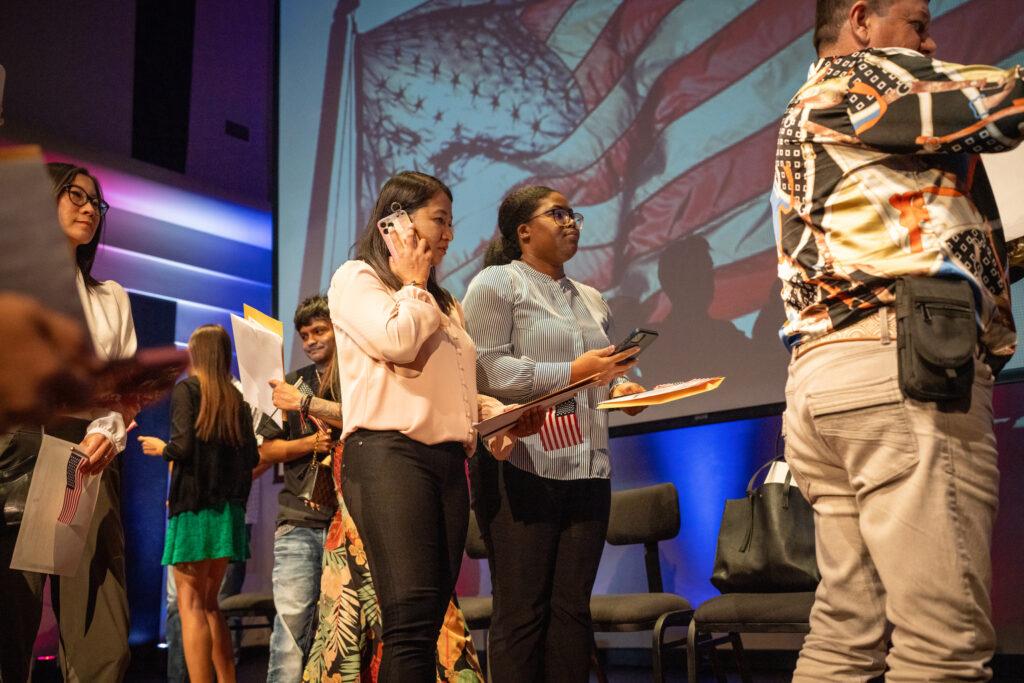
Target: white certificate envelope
[260,359]
[502,421]
[1006,174]
[58,512]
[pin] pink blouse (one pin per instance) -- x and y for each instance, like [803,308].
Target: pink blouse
[403,364]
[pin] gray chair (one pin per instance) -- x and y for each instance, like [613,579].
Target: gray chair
[644,516]
[736,613]
[476,608]
[249,605]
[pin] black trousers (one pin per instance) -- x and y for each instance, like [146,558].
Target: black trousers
[544,539]
[411,505]
[91,607]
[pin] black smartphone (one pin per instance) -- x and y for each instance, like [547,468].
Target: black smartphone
[638,337]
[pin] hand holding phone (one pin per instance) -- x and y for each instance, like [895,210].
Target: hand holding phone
[639,337]
[394,227]
[601,365]
[410,256]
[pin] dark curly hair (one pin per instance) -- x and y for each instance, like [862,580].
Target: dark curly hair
[516,208]
[312,308]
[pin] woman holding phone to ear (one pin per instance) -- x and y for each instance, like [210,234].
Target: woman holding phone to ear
[407,370]
[543,511]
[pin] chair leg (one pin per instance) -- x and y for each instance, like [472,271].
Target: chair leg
[715,666]
[666,621]
[657,666]
[595,664]
[691,652]
[741,661]
[698,642]
[487,653]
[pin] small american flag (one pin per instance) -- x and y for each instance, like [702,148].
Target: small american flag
[561,429]
[73,488]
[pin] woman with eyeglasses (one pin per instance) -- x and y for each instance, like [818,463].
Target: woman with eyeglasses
[544,510]
[92,606]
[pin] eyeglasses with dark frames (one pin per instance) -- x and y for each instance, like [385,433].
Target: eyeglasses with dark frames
[79,197]
[563,217]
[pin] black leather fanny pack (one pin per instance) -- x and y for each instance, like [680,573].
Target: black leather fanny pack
[937,337]
[18,451]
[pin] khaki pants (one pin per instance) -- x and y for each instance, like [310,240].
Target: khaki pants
[904,499]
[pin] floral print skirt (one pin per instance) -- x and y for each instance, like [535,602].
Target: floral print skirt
[347,645]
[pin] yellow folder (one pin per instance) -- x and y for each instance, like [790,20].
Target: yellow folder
[665,393]
[264,320]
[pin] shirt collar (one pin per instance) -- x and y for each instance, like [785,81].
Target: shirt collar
[536,274]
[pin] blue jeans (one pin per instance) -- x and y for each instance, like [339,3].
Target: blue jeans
[234,577]
[298,554]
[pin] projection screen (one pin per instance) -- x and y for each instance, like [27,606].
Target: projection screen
[656,118]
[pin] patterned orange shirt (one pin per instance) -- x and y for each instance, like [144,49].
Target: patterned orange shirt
[878,175]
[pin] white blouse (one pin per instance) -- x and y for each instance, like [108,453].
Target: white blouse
[108,314]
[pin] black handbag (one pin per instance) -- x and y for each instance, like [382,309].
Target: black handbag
[317,489]
[18,449]
[766,541]
[18,452]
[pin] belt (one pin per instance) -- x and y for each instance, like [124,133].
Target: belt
[880,326]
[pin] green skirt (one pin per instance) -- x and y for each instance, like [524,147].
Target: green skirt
[207,534]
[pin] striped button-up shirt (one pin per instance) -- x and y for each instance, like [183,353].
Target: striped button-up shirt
[528,328]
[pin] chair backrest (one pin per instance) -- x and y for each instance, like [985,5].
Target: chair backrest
[475,547]
[645,515]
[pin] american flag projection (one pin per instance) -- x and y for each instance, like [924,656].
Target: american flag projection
[73,488]
[561,429]
[656,118]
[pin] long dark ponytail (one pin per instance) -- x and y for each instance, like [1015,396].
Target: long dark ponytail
[516,208]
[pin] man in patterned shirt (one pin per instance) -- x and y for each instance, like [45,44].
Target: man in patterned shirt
[877,177]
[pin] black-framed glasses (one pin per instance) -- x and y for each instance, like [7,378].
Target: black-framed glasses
[562,217]
[79,197]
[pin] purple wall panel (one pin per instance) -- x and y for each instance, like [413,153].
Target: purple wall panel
[69,71]
[231,81]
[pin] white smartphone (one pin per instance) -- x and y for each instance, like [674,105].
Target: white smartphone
[394,227]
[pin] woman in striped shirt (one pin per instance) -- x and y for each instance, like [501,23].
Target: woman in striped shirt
[544,510]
